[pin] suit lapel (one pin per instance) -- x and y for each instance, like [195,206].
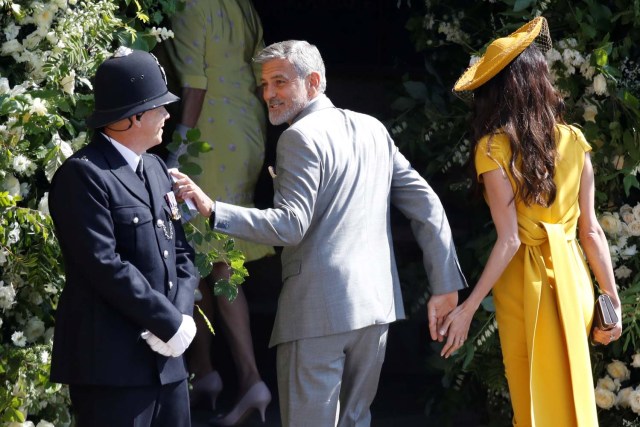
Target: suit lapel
[122,171]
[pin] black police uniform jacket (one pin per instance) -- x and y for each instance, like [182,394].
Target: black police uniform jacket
[128,269]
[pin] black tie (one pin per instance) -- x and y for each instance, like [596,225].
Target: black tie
[139,171]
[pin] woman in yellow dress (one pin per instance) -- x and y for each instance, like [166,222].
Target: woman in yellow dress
[538,181]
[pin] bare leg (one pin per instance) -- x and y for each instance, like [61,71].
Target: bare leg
[235,321]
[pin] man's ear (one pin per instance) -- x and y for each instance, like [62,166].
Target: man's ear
[313,80]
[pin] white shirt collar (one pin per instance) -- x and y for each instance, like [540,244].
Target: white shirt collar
[131,157]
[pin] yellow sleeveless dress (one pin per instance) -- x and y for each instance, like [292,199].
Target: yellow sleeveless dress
[544,299]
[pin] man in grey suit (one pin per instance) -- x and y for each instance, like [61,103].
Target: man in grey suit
[338,172]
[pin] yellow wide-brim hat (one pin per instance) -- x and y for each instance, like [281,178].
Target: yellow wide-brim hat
[502,51]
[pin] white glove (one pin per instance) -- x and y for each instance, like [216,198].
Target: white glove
[181,340]
[156,344]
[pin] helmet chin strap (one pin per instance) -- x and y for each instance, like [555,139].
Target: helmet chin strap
[131,123]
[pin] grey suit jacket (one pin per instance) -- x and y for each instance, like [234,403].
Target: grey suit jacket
[338,172]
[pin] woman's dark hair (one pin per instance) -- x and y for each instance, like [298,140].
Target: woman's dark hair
[521,102]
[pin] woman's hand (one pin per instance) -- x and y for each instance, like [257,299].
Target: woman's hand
[186,189]
[456,328]
[607,337]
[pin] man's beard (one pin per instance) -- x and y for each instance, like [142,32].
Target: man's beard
[287,116]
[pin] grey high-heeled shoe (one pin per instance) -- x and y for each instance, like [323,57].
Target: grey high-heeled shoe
[207,387]
[257,397]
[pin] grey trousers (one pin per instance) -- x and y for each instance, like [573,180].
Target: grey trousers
[332,380]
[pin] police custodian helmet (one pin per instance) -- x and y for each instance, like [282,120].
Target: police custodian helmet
[128,83]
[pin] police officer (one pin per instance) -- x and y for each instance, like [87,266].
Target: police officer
[124,318]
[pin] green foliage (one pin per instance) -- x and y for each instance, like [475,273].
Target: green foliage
[595,63]
[49,51]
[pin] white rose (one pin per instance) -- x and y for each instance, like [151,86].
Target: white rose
[68,82]
[590,112]
[618,370]
[635,362]
[34,329]
[636,211]
[634,227]
[610,224]
[605,399]
[622,272]
[18,339]
[7,296]
[43,205]
[11,185]
[44,423]
[622,399]
[627,216]
[600,85]
[607,383]
[634,401]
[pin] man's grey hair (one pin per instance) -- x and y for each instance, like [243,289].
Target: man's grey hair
[304,57]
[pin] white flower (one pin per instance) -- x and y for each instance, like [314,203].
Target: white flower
[11,185]
[622,399]
[21,163]
[553,56]
[610,223]
[634,401]
[13,236]
[38,107]
[623,272]
[7,295]
[618,370]
[634,226]
[34,329]
[4,86]
[11,31]
[605,399]
[35,298]
[11,47]
[68,82]
[18,339]
[628,252]
[590,112]
[636,211]
[44,356]
[600,85]
[43,205]
[44,423]
[607,383]
[635,360]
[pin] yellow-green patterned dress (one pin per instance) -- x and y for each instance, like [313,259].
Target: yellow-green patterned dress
[212,50]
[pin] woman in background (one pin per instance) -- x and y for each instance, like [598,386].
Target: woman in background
[214,43]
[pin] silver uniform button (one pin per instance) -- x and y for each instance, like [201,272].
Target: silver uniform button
[135,220]
[159,223]
[170,284]
[165,253]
